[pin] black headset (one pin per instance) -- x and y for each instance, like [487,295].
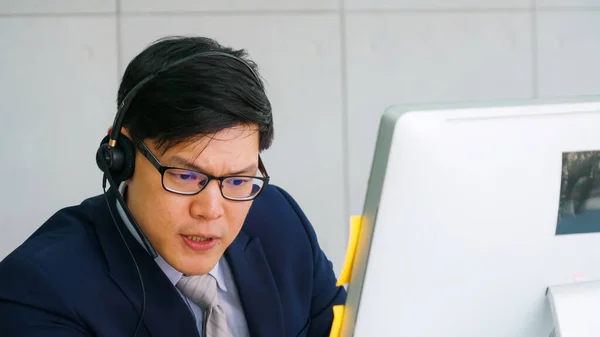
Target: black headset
[116,158]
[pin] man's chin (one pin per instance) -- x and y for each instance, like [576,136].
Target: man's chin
[196,267]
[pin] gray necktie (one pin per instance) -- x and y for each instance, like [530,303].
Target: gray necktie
[202,290]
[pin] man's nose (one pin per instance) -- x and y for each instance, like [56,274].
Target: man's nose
[208,203]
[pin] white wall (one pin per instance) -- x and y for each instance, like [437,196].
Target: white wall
[331,68]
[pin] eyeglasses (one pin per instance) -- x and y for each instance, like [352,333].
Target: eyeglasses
[190,182]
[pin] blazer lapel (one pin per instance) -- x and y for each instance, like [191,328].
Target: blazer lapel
[256,287]
[166,314]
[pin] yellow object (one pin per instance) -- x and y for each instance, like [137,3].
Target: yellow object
[355,224]
[338,310]
[336,326]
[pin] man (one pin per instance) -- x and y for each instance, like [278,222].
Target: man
[191,239]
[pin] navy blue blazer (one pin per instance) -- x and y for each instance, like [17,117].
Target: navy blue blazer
[74,277]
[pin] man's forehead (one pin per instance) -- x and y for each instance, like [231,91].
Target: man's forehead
[214,153]
[230,139]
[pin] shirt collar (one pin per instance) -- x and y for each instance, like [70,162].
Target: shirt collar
[172,274]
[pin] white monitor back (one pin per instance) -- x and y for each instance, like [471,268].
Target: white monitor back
[461,231]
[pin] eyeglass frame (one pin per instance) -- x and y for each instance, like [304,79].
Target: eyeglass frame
[145,151]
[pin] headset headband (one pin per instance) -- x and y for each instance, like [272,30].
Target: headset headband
[124,106]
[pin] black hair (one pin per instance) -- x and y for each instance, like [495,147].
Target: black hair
[196,98]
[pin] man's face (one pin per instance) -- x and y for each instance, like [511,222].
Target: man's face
[174,223]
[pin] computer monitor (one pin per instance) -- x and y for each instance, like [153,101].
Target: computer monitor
[472,212]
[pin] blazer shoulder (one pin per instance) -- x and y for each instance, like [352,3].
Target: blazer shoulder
[64,250]
[280,224]
[50,274]
[70,229]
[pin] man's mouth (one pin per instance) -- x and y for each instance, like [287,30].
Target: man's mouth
[198,238]
[200,243]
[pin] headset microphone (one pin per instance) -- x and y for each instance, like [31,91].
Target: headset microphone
[116,158]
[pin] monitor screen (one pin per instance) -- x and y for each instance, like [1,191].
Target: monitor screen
[471,213]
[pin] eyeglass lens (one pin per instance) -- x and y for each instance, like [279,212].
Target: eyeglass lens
[190,182]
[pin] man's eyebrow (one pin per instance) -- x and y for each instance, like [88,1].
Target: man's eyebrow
[184,163]
[249,170]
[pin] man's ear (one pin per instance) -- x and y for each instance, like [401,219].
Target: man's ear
[123,131]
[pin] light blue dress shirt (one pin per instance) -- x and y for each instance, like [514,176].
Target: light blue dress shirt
[227,290]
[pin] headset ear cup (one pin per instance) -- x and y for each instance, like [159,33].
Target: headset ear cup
[119,160]
[128,152]
[100,155]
